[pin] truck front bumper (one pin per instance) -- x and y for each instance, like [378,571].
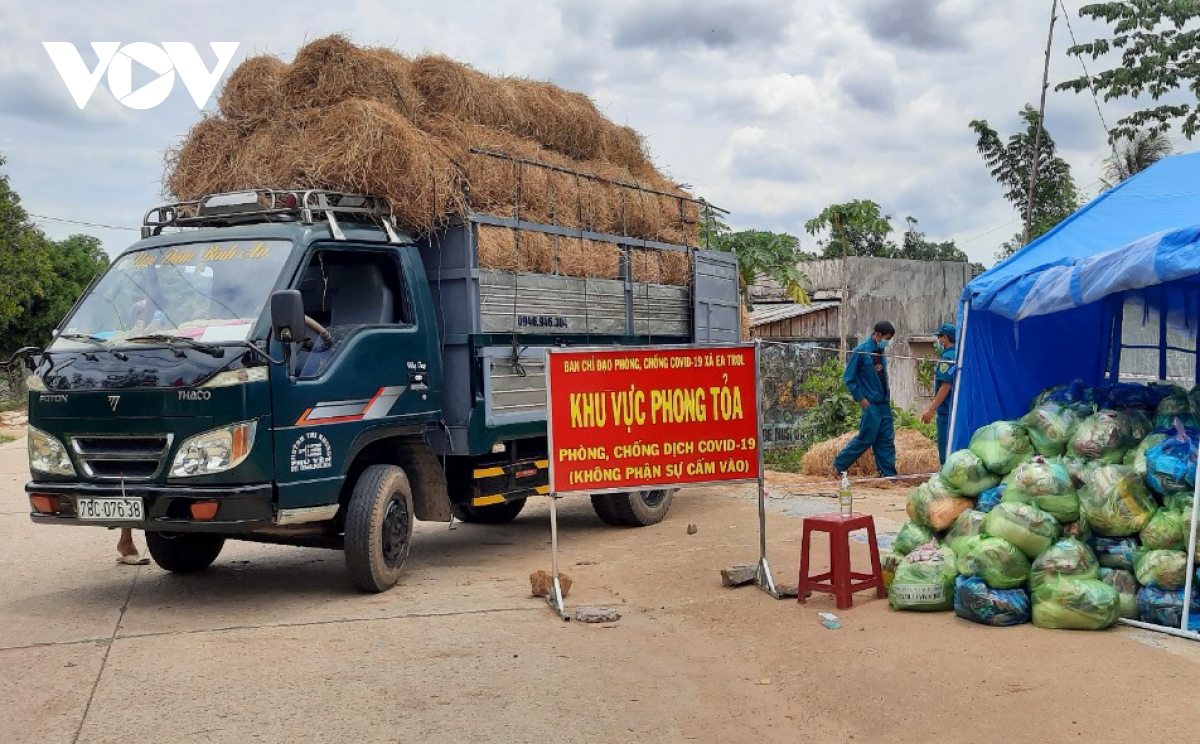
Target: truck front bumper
[166,508]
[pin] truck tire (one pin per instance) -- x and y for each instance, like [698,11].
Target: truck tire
[184,552]
[492,514]
[606,510]
[379,525]
[635,508]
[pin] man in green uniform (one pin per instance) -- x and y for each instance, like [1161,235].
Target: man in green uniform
[943,376]
[866,378]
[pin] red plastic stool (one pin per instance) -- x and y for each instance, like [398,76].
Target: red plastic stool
[840,581]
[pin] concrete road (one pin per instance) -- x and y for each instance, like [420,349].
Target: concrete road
[273,645]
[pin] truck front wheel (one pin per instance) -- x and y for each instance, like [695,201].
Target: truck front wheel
[184,552]
[379,525]
[634,508]
[493,514]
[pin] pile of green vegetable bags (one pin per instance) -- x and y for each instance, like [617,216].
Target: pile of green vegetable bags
[1072,516]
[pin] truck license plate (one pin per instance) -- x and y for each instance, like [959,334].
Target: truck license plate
[123,508]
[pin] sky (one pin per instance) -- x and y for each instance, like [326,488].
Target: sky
[767,108]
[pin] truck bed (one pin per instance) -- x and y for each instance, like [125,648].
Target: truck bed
[495,326]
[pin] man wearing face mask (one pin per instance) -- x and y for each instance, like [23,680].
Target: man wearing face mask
[866,378]
[944,379]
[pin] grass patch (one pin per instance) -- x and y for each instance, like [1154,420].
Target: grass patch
[784,458]
[12,404]
[6,438]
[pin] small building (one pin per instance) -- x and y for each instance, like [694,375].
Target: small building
[848,296]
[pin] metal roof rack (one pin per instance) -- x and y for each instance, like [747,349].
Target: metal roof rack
[272,205]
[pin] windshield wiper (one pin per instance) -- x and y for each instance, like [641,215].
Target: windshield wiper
[97,340]
[210,349]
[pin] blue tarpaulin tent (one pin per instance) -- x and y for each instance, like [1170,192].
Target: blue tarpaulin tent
[1056,310]
[1114,288]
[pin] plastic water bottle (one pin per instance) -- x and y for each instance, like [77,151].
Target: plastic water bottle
[845,498]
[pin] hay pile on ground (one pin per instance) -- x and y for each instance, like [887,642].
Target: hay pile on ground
[369,119]
[915,454]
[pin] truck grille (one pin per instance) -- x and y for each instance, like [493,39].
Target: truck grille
[115,457]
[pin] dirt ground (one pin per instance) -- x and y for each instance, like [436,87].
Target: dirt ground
[272,644]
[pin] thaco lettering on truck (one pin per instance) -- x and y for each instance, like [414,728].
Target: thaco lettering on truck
[289,367]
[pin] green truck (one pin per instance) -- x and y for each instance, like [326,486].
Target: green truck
[287,367]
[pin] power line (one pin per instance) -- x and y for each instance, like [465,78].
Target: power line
[78,222]
[1086,75]
[989,232]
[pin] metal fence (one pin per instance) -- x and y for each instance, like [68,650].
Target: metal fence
[784,366]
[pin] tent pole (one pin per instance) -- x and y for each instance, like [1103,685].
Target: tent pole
[1190,635]
[1187,583]
[958,362]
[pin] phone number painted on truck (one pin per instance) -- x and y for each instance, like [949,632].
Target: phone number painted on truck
[636,418]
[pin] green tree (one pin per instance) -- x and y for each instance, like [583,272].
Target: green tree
[41,278]
[1132,155]
[856,228]
[761,254]
[917,247]
[1159,57]
[1054,196]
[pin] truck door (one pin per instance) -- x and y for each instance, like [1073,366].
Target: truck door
[376,378]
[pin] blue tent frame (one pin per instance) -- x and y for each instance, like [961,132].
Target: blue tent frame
[1054,311]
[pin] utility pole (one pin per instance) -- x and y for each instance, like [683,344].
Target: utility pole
[1037,137]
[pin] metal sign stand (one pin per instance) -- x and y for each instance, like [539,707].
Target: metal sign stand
[760,573]
[555,597]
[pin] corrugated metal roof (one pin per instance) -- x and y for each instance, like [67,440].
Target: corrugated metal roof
[764,314]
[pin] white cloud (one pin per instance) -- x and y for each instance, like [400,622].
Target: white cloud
[771,108]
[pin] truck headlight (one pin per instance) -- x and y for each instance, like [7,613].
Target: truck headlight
[48,455]
[214,451]
[232,377]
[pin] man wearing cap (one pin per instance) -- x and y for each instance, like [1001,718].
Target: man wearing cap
[866,378]
[943,376]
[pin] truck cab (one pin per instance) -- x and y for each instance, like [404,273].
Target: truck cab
[281,367]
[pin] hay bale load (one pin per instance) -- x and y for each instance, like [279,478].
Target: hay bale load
[915,455]
[370,119]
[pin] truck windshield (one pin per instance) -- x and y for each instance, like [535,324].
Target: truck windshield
[209,292]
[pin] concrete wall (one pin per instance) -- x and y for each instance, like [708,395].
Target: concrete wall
[916,296]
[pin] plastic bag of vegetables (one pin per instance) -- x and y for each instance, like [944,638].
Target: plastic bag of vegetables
[1175,405]
[976,601]
[1002,445]
[1076,467]
[933,505]
[1180,502]
[1050,426]
[1137,426]
[1165,606]
[968,524]
[1050,487]
[1067,558]
[1166,530]
[1078,529]
[910,537]
[1115,552]
[1166,569]
[1128,395]
[1127,588]
[966,474]
[998,562]
[1077,396]
[1136,457]
[989,498]
[925,584]
[1171,464]
[1104,435]
[1115,500]
[1024,525]
[888,563]
[1076,604]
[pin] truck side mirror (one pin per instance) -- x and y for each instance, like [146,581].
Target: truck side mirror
[287,316]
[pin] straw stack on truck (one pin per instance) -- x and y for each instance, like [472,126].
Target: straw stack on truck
[339,323]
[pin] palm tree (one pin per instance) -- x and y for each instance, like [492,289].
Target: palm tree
[1132,155]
